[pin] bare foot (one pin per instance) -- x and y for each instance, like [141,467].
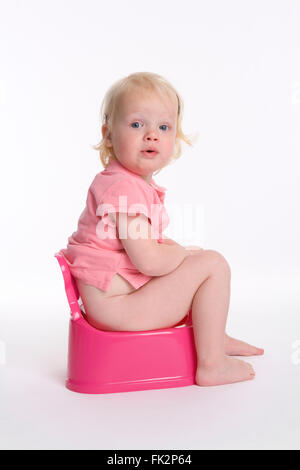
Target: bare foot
[235,347]
[228,371]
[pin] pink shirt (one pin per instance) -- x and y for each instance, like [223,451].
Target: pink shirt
[94,252]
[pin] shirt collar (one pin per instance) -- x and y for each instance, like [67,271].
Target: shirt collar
[116,167]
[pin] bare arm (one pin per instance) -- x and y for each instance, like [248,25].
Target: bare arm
[149,256]
[192,248]
[169,241]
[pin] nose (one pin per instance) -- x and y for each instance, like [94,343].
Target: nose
[151,134]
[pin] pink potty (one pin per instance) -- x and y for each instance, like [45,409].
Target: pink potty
[122,361]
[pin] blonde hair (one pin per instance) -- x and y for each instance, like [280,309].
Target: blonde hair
[146,81]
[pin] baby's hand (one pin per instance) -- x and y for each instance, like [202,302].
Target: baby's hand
[193,249]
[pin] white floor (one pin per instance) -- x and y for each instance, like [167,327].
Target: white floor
[38,412]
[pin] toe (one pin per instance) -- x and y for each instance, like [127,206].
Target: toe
[250,367]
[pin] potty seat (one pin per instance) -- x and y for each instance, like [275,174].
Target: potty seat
[121,361]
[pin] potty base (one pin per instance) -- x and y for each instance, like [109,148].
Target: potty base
[112,362]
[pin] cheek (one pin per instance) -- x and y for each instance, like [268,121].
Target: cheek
[170,142]
[125,143]
[121,141]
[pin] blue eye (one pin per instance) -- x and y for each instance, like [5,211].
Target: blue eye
[136,122]
[135,125]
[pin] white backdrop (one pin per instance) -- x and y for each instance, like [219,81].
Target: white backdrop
[236,65]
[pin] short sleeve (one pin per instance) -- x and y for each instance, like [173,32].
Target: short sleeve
[124,196]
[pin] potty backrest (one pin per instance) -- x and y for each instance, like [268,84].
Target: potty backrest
[70,287]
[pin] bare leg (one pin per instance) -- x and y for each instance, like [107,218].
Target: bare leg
[209,313]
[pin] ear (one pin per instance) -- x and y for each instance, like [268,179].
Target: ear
[106,135]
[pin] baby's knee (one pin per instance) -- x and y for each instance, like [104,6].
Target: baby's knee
[216,261]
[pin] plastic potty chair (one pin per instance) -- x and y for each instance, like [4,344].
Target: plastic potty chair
[121,361]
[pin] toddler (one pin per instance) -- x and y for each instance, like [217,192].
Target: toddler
[129,275]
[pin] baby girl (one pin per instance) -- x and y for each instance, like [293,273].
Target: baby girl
[129,275]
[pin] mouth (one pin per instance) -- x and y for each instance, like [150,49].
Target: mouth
[149,153]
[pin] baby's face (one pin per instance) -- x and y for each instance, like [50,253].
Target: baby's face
[144,121]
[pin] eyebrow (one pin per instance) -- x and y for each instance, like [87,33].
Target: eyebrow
[141,114]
